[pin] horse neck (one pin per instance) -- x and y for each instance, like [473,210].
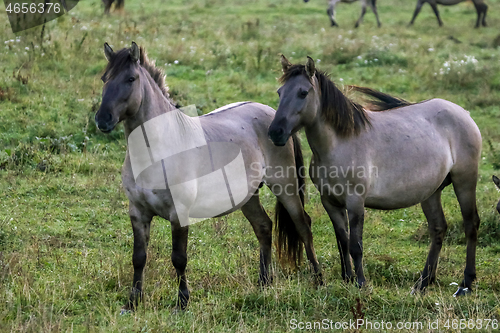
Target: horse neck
[321,136]
[153,104]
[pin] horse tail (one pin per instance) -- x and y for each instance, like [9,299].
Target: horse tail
[374,3]
[383,102]
[289,244]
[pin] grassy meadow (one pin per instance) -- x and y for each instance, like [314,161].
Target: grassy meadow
[65,236]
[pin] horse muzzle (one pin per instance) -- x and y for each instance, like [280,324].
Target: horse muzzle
[104,121]
[278,136]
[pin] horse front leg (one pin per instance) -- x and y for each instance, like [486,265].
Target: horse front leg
[417,10]
[141,223]
[356,214]
[338,217]
[179,260]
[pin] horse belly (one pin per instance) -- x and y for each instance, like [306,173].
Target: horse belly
[407,188]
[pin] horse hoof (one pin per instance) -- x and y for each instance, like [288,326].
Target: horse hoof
[182,301]
[124,311]
[417,291]
[264,282]
[461,292]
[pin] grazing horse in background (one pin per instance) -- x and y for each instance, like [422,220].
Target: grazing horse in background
[134,92]
[481,9]
[107,5]
[497,183]
[364,3]
[382,160]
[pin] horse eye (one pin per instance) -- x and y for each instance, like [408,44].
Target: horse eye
[303,93]
[131,79]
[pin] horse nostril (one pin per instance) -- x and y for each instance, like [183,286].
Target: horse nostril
[103,117]
[107,116]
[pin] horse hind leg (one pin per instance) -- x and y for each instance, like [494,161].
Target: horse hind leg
[437,227]
[363,12]
[436,12]
[465,190]
[481,9]
[302,222]
[373,6]
[356,212]
[485,10]
[331,13]
[262,226]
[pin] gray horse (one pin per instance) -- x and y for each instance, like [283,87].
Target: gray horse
[134,92]
[481,9]
[364,3]
[382,160]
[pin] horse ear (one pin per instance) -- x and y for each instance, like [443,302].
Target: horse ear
[496,181]
[108,52]
[310,68]
[135,53]
[285,64]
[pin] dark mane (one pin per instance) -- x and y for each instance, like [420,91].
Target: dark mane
[384,101]
[344,115]
[122,59]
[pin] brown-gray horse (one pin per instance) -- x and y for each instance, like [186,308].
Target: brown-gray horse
[481,9]
[382,160]
[364,3]
[160,179]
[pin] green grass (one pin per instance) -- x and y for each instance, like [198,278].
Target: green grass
[65,237]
